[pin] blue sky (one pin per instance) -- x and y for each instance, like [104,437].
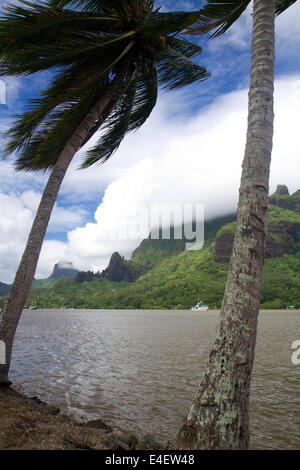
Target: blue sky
[189,151]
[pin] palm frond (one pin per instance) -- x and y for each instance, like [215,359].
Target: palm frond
[121,6]
[162,24]
[111,105]
[282,5]
[129,116]
[145,98]
[88,49]
[34,57]
[176,70]
[42,150]
[45,146]
[104,116]
[92,5]
[41,23]
[183,46]
[47,126]
[67,87]
[218,15]
[116,129]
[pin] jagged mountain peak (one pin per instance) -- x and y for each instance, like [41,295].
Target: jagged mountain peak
[282,189]
[63,269]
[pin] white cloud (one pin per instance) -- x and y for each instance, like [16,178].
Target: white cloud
[200,162]
[11,179]
[16,216]
[52,252]
[64,219]
[15,221]
[178,160]
[30,200]
[148,141]
[173,158]
[152,138]
[13,89]
[287,27]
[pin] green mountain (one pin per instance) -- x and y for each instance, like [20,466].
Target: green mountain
[63,270]
[4,288]
[161,274]
[60,270]
[151,252]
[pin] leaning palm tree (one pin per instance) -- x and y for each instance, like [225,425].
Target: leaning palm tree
[218,417]
[108,57]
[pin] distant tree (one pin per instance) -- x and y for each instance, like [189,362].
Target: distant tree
[109,56]
[218,417]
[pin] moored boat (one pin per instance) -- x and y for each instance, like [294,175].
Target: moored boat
[200,306]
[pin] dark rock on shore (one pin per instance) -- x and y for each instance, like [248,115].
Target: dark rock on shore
[148,442]
[98,424]
[31,424]
[52,410]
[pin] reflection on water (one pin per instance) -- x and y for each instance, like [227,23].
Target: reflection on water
[139,370]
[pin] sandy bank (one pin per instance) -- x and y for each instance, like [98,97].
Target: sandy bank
[28,423]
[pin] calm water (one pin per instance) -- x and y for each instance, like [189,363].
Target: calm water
[139,370]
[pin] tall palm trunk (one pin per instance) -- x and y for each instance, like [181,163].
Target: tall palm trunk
[14,305]
[218,417]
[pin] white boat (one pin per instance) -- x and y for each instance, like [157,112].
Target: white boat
[200,306]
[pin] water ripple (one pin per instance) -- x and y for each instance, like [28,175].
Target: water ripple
[140,370]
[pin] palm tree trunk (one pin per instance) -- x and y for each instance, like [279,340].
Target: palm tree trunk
[14,305]
[218,417]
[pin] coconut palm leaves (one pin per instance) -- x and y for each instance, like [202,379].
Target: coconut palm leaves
[131,112]
[86,49]
[107,57]
[219,15]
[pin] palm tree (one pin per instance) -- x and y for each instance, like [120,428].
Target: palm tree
[218,417]
[108,57]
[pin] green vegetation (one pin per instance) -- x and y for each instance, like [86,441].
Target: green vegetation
[278,214]
[43,283]
[178,282]
[228,228]
[173,278]
[151,252]
[4,288]
[68,293]
[281,282]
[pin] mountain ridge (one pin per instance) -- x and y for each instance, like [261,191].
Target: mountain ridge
[171,277]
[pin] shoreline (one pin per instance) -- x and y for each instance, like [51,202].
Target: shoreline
[157,309]
[27,423]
